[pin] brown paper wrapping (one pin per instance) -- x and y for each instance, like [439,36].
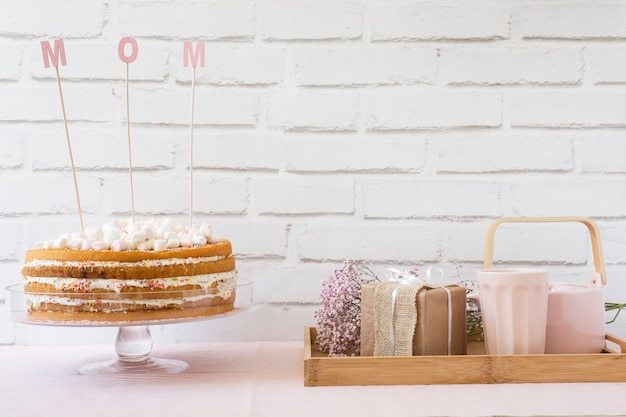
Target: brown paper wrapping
[431,329]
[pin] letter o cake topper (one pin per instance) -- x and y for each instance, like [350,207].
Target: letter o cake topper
[121,49]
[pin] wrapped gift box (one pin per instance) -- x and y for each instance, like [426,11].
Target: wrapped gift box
[431,327]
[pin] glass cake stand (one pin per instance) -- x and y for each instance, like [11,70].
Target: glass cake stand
[133,343]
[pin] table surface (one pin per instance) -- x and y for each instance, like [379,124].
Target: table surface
[260,379]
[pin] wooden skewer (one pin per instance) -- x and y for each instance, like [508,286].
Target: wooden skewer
[193,57]
[128,59]
[69,147]
[130,158]
[193,88]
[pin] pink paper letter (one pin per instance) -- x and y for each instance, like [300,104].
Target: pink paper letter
[193,55]
[48,53]
[133,46]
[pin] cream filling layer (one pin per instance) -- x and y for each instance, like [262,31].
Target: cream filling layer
[106,264]
[34,302]
[117,285]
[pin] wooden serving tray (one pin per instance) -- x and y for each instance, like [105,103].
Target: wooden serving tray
[474,368]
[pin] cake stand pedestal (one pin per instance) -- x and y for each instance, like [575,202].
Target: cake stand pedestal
[133,346]
[133,343]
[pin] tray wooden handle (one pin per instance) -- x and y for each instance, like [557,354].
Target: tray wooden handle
[594,231]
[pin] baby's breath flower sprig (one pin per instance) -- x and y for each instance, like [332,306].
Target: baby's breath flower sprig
[338,320]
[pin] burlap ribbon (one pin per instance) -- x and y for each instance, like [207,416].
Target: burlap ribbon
[394,325]
[395,311]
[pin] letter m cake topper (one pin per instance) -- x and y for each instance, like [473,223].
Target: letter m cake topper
[193,54]
[53,55]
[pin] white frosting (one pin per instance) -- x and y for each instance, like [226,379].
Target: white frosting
[87,285]
[157,235]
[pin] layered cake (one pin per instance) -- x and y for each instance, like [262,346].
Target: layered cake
[130,271]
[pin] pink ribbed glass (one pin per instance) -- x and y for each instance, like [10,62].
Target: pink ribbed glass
[514,305]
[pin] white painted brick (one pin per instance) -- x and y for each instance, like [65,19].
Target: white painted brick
[431,108]
[231,107]
[311,20]
[463,243]
[608,64]
[234,329]
[567,108]
[11,237]
[373,242]
[574,20]
[613,242]
[170,195]
[573,196]
[44,103]
[9,275]
[51,193]
[209,20]
[255,239]
[240,151]
[615,290]
[67,19]
[313,110]
[409,20]
[378,153]
[429,198]
[11,61]
[100,61]
[483,152]
[272,322]
[511,65]
[304,196]
[377,64]
[26,334]
[95,147]
[39,228]
[12,154]
[542,243]
[602,152]
[7,327]
[236,65]
[521,244]
[275,281]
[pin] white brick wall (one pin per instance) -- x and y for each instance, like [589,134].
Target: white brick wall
[387,64]
[313,110]
[186,19]
[509,65]
[310,19]
[417,108]
[567,108]
[411,20]
[388,131]
[574,20]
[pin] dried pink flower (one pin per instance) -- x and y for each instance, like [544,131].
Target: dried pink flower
[339,317]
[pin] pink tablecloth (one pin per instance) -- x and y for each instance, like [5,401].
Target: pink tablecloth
[260,379]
